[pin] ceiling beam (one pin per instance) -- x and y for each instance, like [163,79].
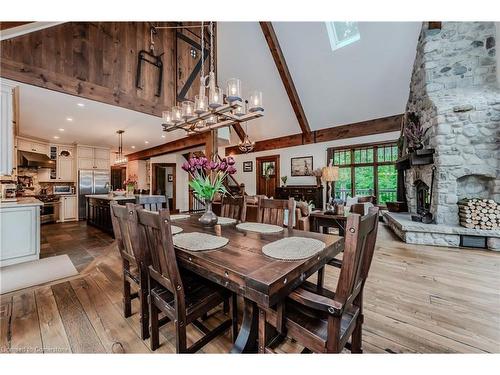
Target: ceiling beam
[11,30]
[286,77]
[169,147]
[239,130]
[358,129]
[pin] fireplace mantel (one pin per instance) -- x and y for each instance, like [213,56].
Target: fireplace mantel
[418,157]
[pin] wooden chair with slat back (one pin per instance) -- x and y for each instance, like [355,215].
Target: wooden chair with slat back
[232,207]
[322,320]
[272,211]
[135,261]
[183,297]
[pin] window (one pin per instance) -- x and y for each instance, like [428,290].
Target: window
[366,170]
[342,34]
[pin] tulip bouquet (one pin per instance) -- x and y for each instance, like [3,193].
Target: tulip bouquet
[208,176]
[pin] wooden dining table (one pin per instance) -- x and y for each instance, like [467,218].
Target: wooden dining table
[241,267]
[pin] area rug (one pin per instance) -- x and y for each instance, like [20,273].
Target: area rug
[195,241]
[260,228]
[293,248]
[36,272]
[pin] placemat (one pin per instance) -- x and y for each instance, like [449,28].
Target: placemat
[179,216]
[225,220]
[259,228]
[175,229]
[293,248]
[196,241]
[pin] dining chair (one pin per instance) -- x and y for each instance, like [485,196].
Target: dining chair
[232,207]
[182,296]
[135,260]
[272,211]
[322,320]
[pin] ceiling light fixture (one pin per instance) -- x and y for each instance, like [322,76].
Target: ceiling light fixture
[120,158]
[80,105]
[163,135]
[209,113]
[61,129]
[56,137]
[132,147]
[246,145]
[146,142]
[70,119]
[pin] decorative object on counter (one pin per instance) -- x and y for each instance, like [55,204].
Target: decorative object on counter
[284,180]
[197,241]
[329,174]
[293,248]
[248,166]
[317,173]
[302,166]
[119,193]
[209,112]
[208,180]
[131,184]
[414,132]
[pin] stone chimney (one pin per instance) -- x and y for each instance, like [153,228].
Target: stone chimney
[455,92]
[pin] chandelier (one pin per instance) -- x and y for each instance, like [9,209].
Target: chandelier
[216,110]
[246,145]
[120,158]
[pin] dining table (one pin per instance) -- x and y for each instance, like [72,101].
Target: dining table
[244,269]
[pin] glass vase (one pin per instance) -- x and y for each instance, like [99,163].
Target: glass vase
[208,218]
[130,190]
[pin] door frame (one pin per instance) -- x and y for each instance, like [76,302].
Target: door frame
[154,169]
[258,161]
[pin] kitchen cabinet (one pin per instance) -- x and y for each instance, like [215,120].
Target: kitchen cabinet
[6,129]
[65,164]
[68,208]
[20,231]
[93,158]
[33,146]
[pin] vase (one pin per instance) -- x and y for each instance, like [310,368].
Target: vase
[208,218]
[130,190]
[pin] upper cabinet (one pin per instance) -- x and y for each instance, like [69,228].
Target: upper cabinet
[93,157]
[33,146]
[65,163]
[6,130]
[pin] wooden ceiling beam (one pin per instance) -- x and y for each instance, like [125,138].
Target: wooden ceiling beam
[358,129]
[10,25]
[286,77]
[239,130]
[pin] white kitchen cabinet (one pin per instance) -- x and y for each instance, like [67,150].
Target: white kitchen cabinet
[6,130]
[65,169]
[68,209]
[19,232]
[33,146]
[93,158]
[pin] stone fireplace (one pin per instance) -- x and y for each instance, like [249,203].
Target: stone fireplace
[455,94]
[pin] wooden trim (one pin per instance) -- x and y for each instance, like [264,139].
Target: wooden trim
[370,127]
[154,169]
[169,147]
[286,77]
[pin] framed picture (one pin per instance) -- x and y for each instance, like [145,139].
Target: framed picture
[302,166]
[247,166]
[170,178]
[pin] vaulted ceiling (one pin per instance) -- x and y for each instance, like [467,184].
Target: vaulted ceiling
[365,80]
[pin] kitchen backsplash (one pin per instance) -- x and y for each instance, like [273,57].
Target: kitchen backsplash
[27,179]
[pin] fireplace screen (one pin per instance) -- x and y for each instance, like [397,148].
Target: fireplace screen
[422,194]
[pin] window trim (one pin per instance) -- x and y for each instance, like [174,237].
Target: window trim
[375,164]
[335,43]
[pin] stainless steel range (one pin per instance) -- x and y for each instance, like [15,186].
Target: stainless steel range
[49,212]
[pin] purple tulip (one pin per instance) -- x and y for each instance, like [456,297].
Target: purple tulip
[231,170]
[185,166]
[222,166]
[230,160]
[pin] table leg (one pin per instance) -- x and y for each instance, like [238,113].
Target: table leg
[246,342]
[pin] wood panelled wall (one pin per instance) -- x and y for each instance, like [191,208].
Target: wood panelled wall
[98,61]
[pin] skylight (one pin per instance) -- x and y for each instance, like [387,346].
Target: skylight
[342,34]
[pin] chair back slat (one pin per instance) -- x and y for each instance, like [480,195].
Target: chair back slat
[126,234]
[232,207]
[272,211]
[360,237]
[158,234]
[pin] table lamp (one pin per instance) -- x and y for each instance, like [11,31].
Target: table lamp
[329,174]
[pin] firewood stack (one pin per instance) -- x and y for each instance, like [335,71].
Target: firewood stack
[479,213]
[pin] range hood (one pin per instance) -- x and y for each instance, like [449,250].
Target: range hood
[34,160]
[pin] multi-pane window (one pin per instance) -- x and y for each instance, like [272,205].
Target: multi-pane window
[366,170]
[342,34]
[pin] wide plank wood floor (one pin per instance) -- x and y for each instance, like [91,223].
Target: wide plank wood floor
[418,299]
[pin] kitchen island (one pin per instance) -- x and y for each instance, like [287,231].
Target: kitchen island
[19,231]
[99,211]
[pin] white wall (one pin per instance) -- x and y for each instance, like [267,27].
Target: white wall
[181,186]
[317,150]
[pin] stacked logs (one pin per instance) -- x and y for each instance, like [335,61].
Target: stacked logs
[479,213]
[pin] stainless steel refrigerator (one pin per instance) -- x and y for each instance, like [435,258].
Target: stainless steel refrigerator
[91,182]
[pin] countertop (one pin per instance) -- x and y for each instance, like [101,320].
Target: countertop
[22,202]
[123,197]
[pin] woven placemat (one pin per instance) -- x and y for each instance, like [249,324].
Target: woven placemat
[179,216]
[196,241]
[225,220]
[175,229]
[293,248]
[260,228]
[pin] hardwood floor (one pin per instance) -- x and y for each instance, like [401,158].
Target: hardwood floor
[418,299]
